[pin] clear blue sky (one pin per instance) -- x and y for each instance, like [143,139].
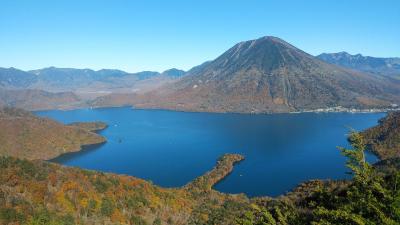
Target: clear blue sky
[157,35]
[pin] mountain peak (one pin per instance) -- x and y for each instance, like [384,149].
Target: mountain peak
[343,53]
[266,40]
[266,53]
[272,39]
[174,72]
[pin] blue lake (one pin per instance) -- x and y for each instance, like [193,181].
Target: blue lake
[172,148]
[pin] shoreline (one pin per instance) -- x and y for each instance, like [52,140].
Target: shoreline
[83,148]
[323,110]
[333,109]
[349,110]
[224,166]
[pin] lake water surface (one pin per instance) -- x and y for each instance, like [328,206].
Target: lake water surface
[172,148]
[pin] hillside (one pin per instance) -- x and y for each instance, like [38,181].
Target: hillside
[267,75]
[384,139]
[29,99]
[31,192]
[27,136]
[374,65]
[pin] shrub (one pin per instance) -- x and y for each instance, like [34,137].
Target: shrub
[157,221]
[137,220]
[9,215]
[107,207]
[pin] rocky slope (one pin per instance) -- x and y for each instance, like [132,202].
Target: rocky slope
[380,66]
[267,75]
[27,136]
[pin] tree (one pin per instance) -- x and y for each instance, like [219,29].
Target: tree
[360,168]
[368,200]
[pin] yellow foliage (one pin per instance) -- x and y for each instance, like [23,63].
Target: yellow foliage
[38,190]
[65,203]
[117,217]
[84,203]
[71,185]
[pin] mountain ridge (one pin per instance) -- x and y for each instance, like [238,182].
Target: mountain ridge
[46,88]
[389,66]
[55,79]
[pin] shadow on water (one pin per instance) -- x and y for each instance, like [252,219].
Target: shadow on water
[86,149]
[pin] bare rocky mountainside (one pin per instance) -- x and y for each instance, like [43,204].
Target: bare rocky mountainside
[262,76]
[381,66]
[27,136]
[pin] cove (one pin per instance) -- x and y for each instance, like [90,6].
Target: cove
[172,148]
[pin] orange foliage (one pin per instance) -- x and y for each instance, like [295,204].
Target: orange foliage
[53,179]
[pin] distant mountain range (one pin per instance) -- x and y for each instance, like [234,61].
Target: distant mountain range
[69,79]
[67,88]
[266,75]
[383,66]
